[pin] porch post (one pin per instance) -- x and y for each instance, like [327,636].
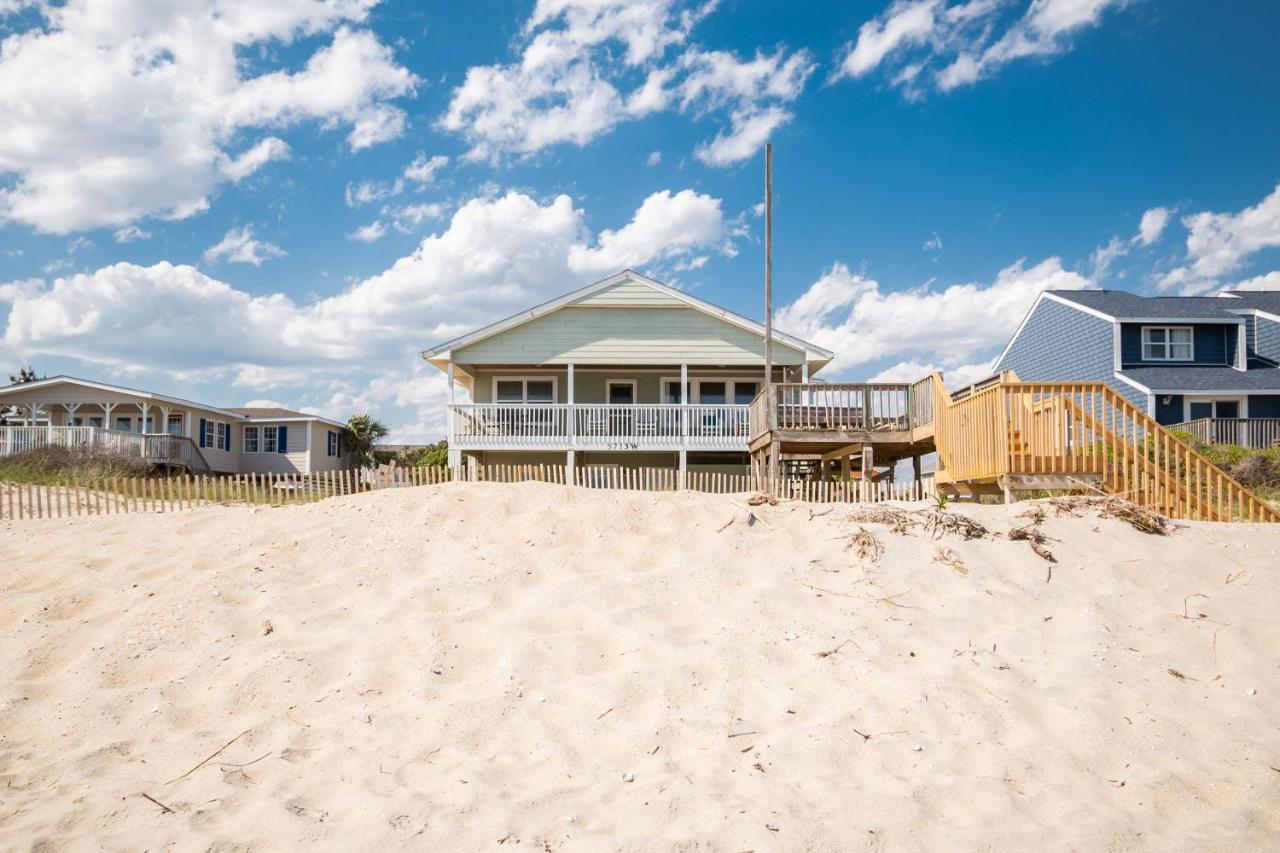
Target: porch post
[107,409]
[684,458]
[868,461]
[846,467]
[570,417]
[684,403]
[570,467]
[915,467]
[71,412]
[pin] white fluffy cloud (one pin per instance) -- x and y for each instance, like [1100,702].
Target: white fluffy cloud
[1152,225]
[1267,281]
[588,65]
[1219,243]
[81,152]
[963,42]
[496,256]
[948,329]
[238,246]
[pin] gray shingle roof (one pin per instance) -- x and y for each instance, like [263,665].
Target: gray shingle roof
[268,412]
[1263,300]
[1191,378]
[1131,306]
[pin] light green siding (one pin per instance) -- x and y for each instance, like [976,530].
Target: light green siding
[628,294]
[611,335]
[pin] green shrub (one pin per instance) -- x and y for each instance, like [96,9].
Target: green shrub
[58,464]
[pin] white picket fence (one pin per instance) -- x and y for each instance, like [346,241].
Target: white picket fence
[20,501]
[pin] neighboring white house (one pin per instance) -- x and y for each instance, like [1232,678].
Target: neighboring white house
[168,430]
[626,371]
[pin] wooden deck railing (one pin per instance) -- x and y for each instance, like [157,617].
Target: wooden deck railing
[841,407]
[1254,433]
[155,448]
[1087,429]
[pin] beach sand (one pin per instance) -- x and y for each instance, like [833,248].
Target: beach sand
[483,667]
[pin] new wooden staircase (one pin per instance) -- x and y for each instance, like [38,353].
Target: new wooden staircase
[1007,434]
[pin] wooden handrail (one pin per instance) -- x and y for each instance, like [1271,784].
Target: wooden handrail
[1084,428]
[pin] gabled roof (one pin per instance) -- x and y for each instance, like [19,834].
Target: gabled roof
[442,353]
[246,414]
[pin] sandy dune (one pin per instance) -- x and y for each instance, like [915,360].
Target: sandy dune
[485,667]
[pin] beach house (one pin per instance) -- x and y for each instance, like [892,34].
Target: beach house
[626,371]
[166,430]
[1207,365]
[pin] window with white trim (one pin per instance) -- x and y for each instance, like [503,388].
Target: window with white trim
[1167,343]
[522,389]
[332,446]
[251,439]
[224,436]
[269,434]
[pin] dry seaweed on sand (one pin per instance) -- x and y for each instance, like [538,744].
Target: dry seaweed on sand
[1069,507]
[1137,517]
[865,545]
[760,498]
[897,520]
[947,557]
[940,523]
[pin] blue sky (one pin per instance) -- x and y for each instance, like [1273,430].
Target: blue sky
[238,202]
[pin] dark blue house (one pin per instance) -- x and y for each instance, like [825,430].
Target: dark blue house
[1207,364]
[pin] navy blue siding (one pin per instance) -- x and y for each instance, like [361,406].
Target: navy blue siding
[1215,343]
[1268,339]
[1264,406]
[1060,343]
[1170,412]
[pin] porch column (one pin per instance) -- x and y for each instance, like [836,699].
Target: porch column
[846,466]
[145,407]
[915,467]
[453,458]
[570,467]
[868,461]
[164,419]
[570,416]
[32,410]
[107,409]
[684,403]
[684,458]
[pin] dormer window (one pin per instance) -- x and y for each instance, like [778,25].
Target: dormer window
[1167,343]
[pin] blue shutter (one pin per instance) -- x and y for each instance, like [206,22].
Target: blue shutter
[282,440]
[202,423]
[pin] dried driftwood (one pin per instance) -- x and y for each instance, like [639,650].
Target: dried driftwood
[864,543]
[947,557]
[940,523]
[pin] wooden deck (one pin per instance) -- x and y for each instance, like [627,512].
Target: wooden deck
[1002,434]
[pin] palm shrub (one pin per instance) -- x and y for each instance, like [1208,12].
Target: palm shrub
[361,434]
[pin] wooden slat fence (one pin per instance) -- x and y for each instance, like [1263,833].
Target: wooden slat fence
[21,501]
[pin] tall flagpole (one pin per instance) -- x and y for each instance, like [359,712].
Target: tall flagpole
[768,263]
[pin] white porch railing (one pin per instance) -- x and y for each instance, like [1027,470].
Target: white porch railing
[586,426]
[155,448]
[1256,433]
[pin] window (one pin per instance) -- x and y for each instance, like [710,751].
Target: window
[147,424]
[269,434]
[745,392]
[224,436]
[1208,407]
[712,393]
[671,391]
[174,425]
[331,447]
[621,391]
[1167,343]
[95,422]
[251,439]
[524,390]
[124,424]
[208,430]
